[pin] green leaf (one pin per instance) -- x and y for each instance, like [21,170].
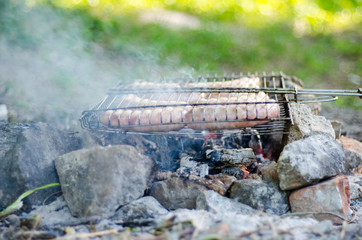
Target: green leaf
[15,206]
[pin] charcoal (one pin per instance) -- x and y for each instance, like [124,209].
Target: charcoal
[234,171]
[221,157]
[189,166]
[164,150]
[234,141]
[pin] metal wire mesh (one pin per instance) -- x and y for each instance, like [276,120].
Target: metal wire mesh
[196,93]
[201,98]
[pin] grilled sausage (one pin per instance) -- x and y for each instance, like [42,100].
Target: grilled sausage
[233,114]
[144,84]
[212,111]
[244,82]
[158,119]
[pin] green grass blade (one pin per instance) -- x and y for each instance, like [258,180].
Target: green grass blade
[15,206]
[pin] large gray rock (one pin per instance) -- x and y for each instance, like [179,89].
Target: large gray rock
[177,193]
[306,124]
[215,203]
[261,195]
[96,181]
[27,153]
[139,212]
[307,161]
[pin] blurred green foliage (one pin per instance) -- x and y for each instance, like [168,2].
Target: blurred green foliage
[317,41]
[311,15]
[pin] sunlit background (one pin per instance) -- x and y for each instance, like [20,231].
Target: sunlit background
[61,56]
[306,16]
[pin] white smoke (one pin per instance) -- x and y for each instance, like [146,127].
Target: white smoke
[50,73]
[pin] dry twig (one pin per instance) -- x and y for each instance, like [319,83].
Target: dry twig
[88,235]
[313,214]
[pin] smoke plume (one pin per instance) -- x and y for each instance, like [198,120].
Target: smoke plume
[50,73]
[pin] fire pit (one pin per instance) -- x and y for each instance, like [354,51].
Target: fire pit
[203,144]
[222,111]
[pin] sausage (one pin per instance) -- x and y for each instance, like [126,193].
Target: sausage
[176,97]
[241,107]
[146,120]
[227,116]
[221,110]
[244,82]
[144,84]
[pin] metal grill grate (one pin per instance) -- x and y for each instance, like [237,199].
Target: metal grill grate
[189,106]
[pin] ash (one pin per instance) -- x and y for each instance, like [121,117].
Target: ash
[233,155]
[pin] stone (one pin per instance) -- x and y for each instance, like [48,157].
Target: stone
[306,124]
[3,113]
[139,212]
[177,193]
[352,154]
[355,184]
[351,144]
[261,195]
[305,228]
[226,181]
[331,196]
[96,181]
[308,161]
[27,153]
[269,171]
[337,126]
[57,208]
[213,202]
[219,183]
[200,219]
[208,225]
